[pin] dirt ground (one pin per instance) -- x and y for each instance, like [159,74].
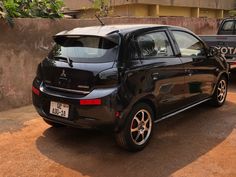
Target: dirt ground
[200,142]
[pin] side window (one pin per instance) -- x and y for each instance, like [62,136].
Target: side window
[154,44]
[228,26]
[188,44]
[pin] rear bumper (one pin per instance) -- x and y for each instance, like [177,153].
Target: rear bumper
[82,116]
[232,65]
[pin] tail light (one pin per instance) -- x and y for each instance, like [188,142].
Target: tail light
[35,91]
[91,102]
[117,114]
[233,63]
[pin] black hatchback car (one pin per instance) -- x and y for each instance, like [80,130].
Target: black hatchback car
[128,77]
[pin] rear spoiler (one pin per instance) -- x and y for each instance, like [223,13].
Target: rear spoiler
[58,38]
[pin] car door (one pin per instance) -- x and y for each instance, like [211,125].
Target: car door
[227,28]
[157,71]
[200,71]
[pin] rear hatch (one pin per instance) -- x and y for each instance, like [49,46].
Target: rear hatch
[75,62]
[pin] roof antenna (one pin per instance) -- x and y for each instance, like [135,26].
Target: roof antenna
[102,24]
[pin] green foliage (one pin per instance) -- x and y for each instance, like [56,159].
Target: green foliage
[4,14]
[2,10]
[12,8]
[46,8]
[102,6]
[31,8]
[232,13]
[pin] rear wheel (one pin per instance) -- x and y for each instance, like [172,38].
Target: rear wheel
[219,96]
[138,128]
[53,124]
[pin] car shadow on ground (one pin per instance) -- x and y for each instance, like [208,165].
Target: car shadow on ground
[176,143]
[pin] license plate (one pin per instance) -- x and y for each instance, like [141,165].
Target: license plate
[59,109]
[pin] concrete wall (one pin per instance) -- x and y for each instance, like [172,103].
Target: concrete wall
[23,47]
[155,8]
[212,4]
[175,11]
[147,10]
[75,4]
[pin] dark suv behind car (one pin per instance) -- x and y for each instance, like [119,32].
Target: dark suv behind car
[128,77]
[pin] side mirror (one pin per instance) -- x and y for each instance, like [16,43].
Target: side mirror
[213,51]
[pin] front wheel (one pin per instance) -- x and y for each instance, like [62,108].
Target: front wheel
[220,94]
[138,128]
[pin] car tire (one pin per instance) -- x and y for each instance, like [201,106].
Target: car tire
[138,128]
[220,93]
[53,124]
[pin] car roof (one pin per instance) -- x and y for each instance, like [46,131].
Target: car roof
[109,29]
[229,19]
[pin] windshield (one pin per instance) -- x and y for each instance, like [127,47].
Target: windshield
[84,49]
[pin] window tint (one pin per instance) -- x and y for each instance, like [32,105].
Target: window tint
[154,45]
[228,26]
[188,44]
[85,49]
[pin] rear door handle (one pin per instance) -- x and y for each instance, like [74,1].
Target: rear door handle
[217,69]
[155,76]
[189,72]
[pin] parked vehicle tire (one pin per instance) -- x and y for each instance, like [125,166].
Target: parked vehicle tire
[53,124]
[220,94]
[138,128]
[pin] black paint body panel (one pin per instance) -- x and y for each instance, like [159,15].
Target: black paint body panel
[168,84]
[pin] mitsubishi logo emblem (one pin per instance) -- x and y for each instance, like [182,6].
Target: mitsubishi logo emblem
[63,74]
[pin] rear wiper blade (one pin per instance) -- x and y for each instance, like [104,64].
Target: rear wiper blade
[69,61]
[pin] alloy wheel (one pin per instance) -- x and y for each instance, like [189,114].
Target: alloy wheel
[221,91]
[141,127]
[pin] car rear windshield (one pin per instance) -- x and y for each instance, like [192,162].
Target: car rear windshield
[84,49]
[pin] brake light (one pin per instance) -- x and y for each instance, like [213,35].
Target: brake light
[35,91]
[117,114]
[233,63]
[91,102]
